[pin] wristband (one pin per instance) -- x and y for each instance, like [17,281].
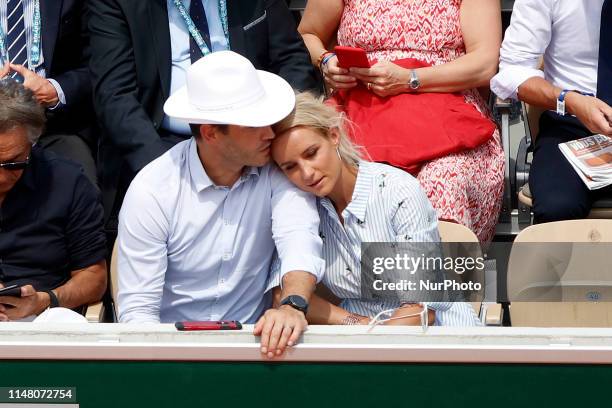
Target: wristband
[53,300]
[561,100]
[321,57]
[326,59]
[351,319]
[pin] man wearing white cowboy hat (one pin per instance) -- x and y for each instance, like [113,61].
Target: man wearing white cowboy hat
[199,226]
[140,51]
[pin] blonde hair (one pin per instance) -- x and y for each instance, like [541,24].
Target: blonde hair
[312,113]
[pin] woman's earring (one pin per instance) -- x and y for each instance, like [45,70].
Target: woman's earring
[338,151]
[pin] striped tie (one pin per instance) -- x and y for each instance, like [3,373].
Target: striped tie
[16,36]
[198,15]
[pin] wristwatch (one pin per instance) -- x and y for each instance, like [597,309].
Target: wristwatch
[296,302]
[414,82]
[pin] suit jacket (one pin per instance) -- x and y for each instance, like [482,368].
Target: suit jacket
[131,69]
[65,49]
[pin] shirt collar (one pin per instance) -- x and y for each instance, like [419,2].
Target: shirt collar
[199,178]
[251,171]
[328,206]
[246,174]
[361,193]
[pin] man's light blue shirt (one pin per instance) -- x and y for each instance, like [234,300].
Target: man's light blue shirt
[181,58]
[191,250]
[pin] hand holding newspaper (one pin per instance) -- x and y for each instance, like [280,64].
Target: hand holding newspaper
[591,157]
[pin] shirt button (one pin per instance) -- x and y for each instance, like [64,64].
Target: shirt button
[226,221]
[226,257]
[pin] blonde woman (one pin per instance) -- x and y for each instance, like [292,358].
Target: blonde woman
[357,201]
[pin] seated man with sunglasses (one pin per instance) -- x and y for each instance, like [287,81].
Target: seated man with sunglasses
[51,239]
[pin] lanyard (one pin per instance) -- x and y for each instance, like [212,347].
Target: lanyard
[193,30]
[35,48]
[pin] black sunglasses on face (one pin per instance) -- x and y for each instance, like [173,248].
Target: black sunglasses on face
[18,165]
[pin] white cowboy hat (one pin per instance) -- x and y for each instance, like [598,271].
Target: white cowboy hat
[224,88]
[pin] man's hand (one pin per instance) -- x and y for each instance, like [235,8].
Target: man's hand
[4,71]
[3,317]
[593,113]
[44,91]
[280,328]
[30,303]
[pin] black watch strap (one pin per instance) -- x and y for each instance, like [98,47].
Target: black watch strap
[54,301]
[296,302]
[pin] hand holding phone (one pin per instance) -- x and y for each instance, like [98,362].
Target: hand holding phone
[349,57]
[209,325]
[13,290]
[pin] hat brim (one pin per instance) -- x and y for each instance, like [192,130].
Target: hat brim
[277,104]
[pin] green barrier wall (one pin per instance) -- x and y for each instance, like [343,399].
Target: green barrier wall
[203,384]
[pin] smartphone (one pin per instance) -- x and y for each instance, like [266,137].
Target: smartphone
[209,325]
[13,290]
[351,57]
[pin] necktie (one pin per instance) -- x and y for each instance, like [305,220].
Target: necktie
[16,36]
[604,72]
[197,14]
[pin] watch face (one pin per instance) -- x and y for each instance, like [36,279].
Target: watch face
[414,80]
[298,301]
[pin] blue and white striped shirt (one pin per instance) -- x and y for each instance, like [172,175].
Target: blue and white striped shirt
[28,19]
[388,205]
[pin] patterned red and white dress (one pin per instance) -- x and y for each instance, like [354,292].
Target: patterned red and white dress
[464,187]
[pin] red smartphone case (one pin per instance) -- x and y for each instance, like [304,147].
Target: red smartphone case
[209,325]
[351,57]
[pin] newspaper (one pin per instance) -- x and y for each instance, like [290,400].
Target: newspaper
[591,157]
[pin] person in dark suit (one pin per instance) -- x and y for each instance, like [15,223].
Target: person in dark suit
[140,52]
[53,65]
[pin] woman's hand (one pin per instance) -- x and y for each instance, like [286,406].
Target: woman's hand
[413,311]
[336,77]
[384,78]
